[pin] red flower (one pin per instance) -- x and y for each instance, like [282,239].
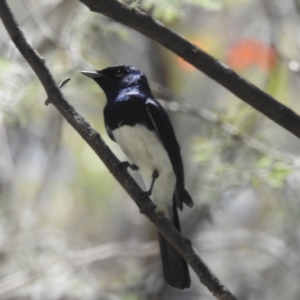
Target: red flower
[249,52]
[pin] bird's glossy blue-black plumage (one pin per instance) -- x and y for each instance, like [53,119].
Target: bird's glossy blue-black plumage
[131,104]
[130,101]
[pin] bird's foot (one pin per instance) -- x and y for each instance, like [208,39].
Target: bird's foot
[124,165]
[147,194]
[160,211]
[144,195]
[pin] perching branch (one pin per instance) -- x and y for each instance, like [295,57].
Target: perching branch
[219,72]
[55,96]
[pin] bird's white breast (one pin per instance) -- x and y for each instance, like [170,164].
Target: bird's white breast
[144,149]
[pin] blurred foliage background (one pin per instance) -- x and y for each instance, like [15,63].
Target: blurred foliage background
[69,231]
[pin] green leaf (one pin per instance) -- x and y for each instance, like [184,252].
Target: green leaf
[264,162]
[279,174]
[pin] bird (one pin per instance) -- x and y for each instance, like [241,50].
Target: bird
[141,127]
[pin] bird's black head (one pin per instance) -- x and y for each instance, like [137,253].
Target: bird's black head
[116,79]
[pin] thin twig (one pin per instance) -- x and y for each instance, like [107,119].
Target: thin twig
[247,239]
[65,81]
[76,260]
[63,43]
[231,130]
[184,106]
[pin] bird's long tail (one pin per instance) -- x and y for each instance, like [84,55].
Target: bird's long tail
[175,268]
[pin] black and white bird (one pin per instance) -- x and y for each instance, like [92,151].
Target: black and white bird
[142,128]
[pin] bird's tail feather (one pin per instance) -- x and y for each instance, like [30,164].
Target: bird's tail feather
[175,268]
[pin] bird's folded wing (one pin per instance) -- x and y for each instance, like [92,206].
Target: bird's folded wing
[162,125]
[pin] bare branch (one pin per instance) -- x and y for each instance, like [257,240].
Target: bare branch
[183,245]
[216,70]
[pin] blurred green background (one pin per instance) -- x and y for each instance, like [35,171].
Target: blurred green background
[69,231]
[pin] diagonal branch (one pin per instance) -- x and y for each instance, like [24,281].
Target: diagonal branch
[183,245]
[219,72]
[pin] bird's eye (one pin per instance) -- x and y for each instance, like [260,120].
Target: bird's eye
[119,74]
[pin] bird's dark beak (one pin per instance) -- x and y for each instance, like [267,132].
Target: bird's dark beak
[91,74]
